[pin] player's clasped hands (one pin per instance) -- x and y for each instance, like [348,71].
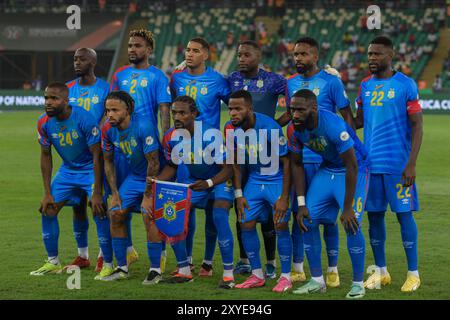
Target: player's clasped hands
[349,221]
[48,206]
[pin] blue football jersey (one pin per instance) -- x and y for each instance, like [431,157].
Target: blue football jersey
[265,88]
[139,139]
[386,104]
[198,146]
[256,151]
[330,93]
[71,137]
[91,98]
[149,88]
[207,89]
[330,139]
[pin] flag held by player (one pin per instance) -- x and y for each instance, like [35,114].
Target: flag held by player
[171,205]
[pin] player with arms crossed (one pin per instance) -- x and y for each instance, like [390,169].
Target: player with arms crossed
[149,88]
[76,137]
[341,182]
[331,96]
[208,88]
[267,187]
[389,110]
[207,178]
[265,88]
[89,92]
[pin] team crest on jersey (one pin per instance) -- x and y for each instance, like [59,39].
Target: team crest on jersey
[260,83]
[144,83]
[95,99]
[316,91]
[391,93]
[204,90]
[95,131]
[74,134]
[133,142]
[149,140]
[170,211]
[344,136]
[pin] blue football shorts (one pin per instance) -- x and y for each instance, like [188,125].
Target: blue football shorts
[326,195]
[388,188]
[261,199]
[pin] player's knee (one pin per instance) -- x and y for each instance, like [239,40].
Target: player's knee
[118,218]
[222,204]
[153,233]
[246,226]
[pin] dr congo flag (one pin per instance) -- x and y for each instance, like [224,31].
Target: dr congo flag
[171,205]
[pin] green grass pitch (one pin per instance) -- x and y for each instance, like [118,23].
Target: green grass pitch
[23,251]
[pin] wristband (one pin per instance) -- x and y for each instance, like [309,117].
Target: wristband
[210,183]
[238,193]
[301,201]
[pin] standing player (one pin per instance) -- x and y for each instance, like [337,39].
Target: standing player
[76,137]
[149,88]
[337,184]
[265,88]
[89,92]
[331,96]
[207,181]
[208,88]
[389,109]
[135,137]
[268,185]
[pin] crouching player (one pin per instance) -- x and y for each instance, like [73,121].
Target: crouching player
[267,187]
[133,136]
[337,184]
[75,135]
[207,178]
